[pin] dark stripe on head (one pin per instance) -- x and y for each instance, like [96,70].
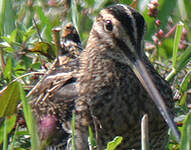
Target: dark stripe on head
[131,56]
[140,25]
[121,44]
[120,13]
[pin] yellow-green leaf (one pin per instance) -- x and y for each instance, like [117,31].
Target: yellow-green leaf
[9,98]
[8,69]
[113,144]
[45,49]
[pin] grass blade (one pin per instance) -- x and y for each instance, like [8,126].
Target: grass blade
[9,124]
[92,140]
[182,61]
[144,133]
[176,43]
[5,135]
[73,131]
[2,16]
[7,25]
[14,138]
[30,121]
[9,22]
[74,13]
[177,38]
[186,138]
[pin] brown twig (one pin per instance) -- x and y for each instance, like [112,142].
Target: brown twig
[2,60]
[38,30]
[56,38]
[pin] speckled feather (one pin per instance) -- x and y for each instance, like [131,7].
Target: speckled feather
[70,41]
[53,100]
[109,91]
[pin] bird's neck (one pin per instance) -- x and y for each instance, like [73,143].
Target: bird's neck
[96,70]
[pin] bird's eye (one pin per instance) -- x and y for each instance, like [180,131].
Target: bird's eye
[108,25]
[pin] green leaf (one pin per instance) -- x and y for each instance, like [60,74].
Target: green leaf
[113,144]
[8,69]
[9,98]
[28,34]
[185,143]
[36,66]
[11,41]
[10,124]
[45,24]
[26,62]
[176,43]
[9,49]
[13,35]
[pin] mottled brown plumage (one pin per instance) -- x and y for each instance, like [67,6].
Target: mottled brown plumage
[111,93]
[70,41]
[107,87]
[52,103]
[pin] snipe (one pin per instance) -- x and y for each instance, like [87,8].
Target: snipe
[117,84]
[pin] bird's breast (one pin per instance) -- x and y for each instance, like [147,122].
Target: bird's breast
[94,74]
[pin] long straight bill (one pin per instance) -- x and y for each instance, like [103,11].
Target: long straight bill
[142,74]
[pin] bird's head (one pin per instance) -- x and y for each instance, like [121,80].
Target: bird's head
[121,29]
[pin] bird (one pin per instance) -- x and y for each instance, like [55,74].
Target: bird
[70,41]
[116,85]
[50,108]
[110,86]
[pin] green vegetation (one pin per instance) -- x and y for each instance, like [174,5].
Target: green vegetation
[27,45]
